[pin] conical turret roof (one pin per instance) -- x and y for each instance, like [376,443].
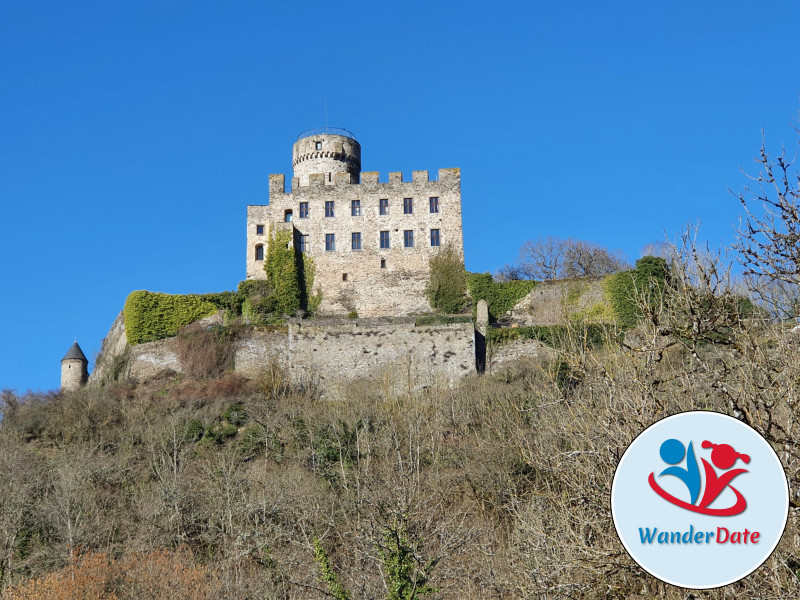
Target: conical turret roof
[75,352]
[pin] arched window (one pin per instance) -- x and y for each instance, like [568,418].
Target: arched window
[260,252]
[287,216]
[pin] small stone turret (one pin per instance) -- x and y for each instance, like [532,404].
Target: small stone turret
[326,152]
[74,369]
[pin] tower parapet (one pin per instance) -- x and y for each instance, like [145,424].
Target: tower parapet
[74,369]
[326,152]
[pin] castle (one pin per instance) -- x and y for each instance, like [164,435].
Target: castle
[370,241]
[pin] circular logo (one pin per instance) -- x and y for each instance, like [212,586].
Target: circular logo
[699,500]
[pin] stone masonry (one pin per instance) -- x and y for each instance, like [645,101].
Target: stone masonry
[370,241]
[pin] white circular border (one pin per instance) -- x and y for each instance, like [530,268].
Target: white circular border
[772,452]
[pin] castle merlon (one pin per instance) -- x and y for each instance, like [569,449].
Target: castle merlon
[277,181]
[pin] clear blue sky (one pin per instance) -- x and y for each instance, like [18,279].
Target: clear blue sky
[134,134]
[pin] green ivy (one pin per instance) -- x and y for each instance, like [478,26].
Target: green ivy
[329,576]
[593,334]
[151,316]
[282,273]
[447,285]
[441,319]
[645,283]
[501,297]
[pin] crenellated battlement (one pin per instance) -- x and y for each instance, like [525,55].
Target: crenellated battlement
[368,179]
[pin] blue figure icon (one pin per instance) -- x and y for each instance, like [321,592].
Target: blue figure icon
[672,452]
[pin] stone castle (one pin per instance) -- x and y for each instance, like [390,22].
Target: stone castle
[370,241]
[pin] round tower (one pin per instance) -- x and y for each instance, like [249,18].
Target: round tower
[327,151]
[74,369]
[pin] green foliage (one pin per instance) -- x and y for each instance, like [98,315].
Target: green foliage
[441,319]
[329,577]
[447,286]
[308,270]
[501,297]
[151,316]
[406,578]
[593,335]
[628,289]
[235,415]
[283,274]
[193,430]
[353,314]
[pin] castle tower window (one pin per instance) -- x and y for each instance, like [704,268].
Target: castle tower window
[330,242]
[287,216]
[383,206]
[318,145]
[304,210]
[383,263]
[303,243]
[408,238]
[329,208]
[356,240]
[259,252]
[344,276]
[434,237]
[434,201]
[384,239]
[355,208]
[408,206]
[259,230]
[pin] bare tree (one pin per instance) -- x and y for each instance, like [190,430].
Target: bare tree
[768,238]
[589,259]
[554,258]
[542,258]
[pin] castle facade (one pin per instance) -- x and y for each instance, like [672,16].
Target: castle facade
[370,241]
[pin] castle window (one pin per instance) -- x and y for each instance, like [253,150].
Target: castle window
[303,243]
[355,208]
[408,206]
[434,204]
[408,238]
[383,263]
[434,237]
[329,208]
[383,205]
[384,239]
[287,216]
[259,252]
[318,145]
[330,242]
[259,230]
[344,276]
[304,210]
[356,240]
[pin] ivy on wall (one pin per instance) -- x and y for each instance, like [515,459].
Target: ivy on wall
[500,296]
[151,316]
[283,273]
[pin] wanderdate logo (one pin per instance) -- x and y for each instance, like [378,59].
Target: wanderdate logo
[699,500]
[723,457]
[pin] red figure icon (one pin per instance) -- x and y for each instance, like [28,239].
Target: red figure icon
[724,457]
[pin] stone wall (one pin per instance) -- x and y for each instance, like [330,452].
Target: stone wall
[403,354]
[327,352]
[372,281]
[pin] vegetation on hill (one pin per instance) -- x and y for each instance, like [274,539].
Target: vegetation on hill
[501,296]
[497,488]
